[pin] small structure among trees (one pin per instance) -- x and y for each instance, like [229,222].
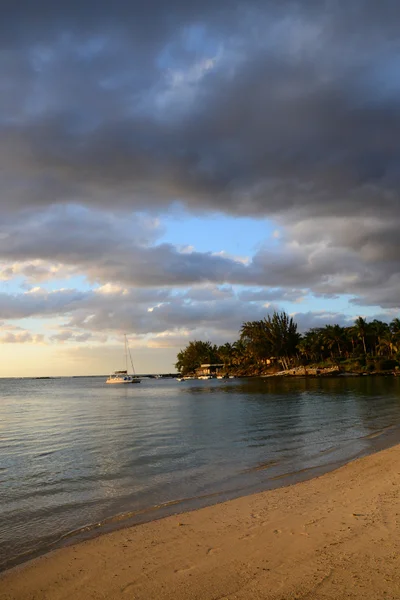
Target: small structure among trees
[207,369]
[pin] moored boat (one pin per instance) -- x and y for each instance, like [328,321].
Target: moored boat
[123,377]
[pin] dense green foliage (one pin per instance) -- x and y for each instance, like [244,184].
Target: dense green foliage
[369,346]
[195,354]
[274,336]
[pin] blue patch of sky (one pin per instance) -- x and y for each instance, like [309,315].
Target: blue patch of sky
[77,282]
[234,235]
[35,325]
[20,284]
[13,286]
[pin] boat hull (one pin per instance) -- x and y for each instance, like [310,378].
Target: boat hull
[115,381]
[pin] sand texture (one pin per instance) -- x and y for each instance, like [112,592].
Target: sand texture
[336,536]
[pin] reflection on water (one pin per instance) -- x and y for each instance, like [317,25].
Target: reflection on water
[75,452]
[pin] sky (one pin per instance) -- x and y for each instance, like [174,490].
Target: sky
[171,170]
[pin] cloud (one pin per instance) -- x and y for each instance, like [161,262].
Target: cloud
[39,302]
[314,319]
[72,336]
[111,114]
[164,316]
[94,315]
[172,340]
[35,271]
[322,256]
[152,318]
[23,337]
[271,295]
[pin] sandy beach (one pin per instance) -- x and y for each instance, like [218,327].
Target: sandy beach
[336,536]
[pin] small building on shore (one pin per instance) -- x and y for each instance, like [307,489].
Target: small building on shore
[210,369]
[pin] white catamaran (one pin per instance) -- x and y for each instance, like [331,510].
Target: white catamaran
[124,376]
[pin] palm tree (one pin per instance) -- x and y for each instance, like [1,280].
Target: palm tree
[361,328]
[378,330]
[313,344]
[391,339]
[239,352]
[334,336]
[254,335]
[304,348]
[319,343]
[388,344]
[351,337]
[282,336]
[395,327]
[225,354]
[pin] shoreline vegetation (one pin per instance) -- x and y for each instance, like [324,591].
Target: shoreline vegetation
[273,347]
[334,536]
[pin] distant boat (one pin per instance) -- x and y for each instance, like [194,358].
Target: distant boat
[124,376]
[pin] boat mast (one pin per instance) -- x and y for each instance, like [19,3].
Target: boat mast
[130,358]
[126,354]
[128,350]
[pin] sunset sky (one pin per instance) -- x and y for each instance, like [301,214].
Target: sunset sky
[172,169]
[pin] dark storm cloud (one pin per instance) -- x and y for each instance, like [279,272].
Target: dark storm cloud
[299,110]
[276,108]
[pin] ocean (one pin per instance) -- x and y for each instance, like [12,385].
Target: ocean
[78,457]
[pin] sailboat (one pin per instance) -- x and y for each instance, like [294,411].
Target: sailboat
[124,376]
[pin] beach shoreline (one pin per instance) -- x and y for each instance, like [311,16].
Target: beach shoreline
[382,440]
[333,536]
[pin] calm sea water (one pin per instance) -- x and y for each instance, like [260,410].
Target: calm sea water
[76,453]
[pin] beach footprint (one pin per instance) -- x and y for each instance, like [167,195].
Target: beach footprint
[127,587]
[184,569]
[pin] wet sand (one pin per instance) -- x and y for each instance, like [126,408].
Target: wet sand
[333,537]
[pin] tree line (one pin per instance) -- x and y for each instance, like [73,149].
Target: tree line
[276,339]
